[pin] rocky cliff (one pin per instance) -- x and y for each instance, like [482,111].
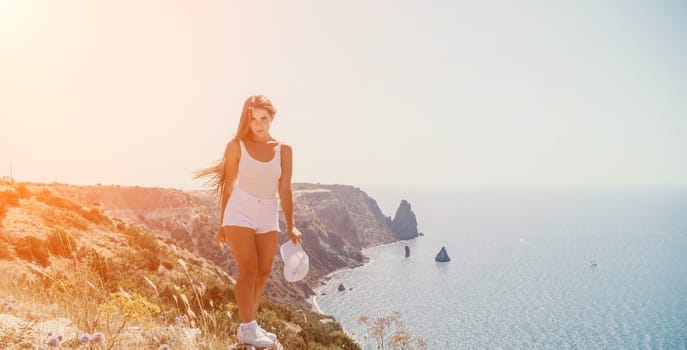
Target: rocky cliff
[337,222]
[69,269]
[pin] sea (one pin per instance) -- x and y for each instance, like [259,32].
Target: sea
[531,268]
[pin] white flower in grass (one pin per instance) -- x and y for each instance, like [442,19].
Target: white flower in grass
[98,338]
[54,342]
[85,338]
[181,321]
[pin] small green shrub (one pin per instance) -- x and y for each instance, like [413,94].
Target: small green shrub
[72,209]
[61,243]
[52,200]
[33,249]
[95,215]
[96,263]
[138,260]
[59,218]
[10,198]
[23,192]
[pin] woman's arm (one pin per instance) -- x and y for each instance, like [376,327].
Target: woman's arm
[231,167]
[286,194]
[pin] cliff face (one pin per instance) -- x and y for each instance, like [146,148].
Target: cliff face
[404,224]
[337,222]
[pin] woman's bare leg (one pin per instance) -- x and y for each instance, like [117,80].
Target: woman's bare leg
[266,246]
[242,242]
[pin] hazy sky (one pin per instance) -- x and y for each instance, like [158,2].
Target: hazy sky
[394,93]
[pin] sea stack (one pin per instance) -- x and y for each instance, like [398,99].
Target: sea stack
[442,256]
[407,251]
[341,287]
[404,224]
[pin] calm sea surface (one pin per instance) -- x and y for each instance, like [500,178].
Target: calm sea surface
[521,275]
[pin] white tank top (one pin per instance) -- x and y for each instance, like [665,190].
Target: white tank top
[257,178]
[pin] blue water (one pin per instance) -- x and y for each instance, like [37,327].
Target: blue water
[520,275]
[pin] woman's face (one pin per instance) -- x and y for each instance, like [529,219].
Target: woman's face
[260,121]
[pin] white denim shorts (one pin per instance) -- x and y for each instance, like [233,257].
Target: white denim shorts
[245,210]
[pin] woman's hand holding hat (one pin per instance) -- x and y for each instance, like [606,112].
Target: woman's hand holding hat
[295,235]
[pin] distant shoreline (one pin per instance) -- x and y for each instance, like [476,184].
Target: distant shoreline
[322,282]
[312,300]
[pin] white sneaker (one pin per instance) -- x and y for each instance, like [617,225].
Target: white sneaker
[268,334]
[251,335]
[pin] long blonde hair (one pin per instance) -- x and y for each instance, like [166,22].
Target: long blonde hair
[215,176]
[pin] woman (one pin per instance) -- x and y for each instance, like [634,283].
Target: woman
[254,169]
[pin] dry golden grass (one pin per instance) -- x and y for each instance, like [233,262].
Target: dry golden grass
[75,277]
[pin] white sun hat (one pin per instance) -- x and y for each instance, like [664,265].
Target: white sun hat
[296,263]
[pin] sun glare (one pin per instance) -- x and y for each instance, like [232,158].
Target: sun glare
[9,12]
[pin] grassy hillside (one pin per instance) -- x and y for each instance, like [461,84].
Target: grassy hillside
[337,222]
[69,268]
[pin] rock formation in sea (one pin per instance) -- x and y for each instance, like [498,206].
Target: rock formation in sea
[407,251]
[404,224]
[442,256]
